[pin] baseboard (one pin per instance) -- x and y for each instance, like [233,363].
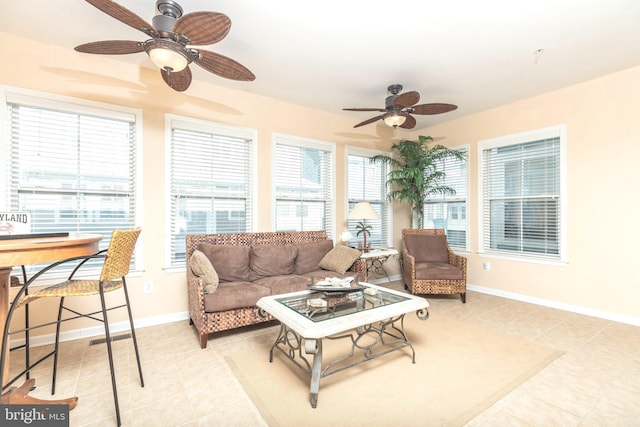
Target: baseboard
[176,317]
[616,317]
[114,328]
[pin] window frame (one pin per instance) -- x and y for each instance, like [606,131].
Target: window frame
[312,144]
[84,107]
[517,139]
[443,199]
[198,125]
[387,237]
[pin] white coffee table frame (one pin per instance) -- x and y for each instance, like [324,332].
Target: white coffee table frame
[297,332]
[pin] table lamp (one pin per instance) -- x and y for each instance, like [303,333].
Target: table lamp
[363,211]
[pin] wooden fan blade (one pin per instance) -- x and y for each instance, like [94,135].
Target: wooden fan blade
[406,99]
[409,123]
[179,81]
[124,15]
[111,47]
[431,109]
[382,110]
[223,66]
[371,120]
[203,27]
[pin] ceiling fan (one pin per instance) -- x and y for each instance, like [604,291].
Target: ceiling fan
[171,34]
[400,106]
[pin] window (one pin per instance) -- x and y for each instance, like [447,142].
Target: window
[450,211]
[303,179]
[71,164]
[366,182]
[523,195]
[211,184]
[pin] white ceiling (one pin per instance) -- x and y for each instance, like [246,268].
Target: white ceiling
[336,54]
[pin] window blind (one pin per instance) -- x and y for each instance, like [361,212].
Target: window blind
[211,183]
[522,199]
[450,211]
[366,182]
[74,171]
[303,175]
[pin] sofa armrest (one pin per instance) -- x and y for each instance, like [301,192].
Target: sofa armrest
[195,290]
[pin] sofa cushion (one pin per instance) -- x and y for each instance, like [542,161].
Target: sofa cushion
[232,295]
[272,260]
[201,267]
[310,255]
[427,248]
[231,262]
[284,284]
[339,259]
[320,274]
[438,271]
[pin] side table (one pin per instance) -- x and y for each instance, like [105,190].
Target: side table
[375,260]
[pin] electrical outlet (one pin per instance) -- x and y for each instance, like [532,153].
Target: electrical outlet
[148,286]
[486,266]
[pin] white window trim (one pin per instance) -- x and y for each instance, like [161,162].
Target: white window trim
[366,152]
[314,144]
[184,122]
[559,131]
[83,106]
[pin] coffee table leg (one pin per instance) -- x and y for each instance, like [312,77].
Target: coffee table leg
[314,347]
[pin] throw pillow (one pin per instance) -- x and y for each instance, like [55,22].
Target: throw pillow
[201,267]
[339,259]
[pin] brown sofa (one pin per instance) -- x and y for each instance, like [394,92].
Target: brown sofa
[249,266]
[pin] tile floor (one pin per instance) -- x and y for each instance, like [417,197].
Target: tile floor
[595,383]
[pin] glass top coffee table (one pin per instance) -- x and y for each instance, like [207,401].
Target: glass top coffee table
[370,319]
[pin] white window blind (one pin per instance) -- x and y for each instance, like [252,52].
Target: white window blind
[303,176]
[522,196]
[72,168]
[450,211]
[366,182]
[211,182]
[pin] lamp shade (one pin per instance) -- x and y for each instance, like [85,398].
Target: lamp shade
[363,210]
[394,120]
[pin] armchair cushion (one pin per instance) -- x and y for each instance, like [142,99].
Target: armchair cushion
[427,248]
[201,267]
[339,259]
[437,271]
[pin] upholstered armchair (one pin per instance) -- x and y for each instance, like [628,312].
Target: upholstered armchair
[430,266]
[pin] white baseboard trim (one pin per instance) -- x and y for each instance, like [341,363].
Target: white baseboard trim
[616,317]
[94,331]
[145,322]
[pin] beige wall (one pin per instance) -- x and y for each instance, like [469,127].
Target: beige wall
[598,114]
[602,119]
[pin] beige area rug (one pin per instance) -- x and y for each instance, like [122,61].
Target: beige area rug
[461,369]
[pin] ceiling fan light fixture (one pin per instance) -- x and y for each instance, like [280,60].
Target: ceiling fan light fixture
[167,58]
[394,120]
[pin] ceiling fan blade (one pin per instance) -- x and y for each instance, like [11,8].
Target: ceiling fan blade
[203,27]
[223,66]
[111,47]
[382,110]
[431,109]
[409,123]
[371,120]
[124,15]
[179,81]
[406,99]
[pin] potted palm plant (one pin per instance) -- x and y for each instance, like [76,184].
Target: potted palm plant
[413,174]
